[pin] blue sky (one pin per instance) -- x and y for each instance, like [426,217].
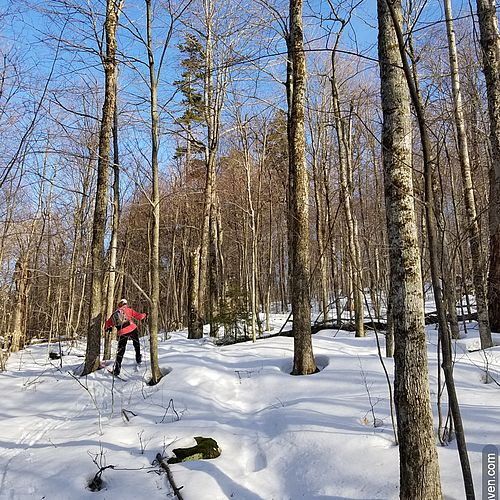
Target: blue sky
[25,37]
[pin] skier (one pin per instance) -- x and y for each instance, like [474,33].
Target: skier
[122,319]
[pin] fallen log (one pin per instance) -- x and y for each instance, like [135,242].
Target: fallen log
[380,326]
[431,318]
[347,326]
[166,468]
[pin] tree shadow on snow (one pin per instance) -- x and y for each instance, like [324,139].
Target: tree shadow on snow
[230,488]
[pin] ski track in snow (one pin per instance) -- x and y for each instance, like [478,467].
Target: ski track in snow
[52,421]
[37,431]
[282,437]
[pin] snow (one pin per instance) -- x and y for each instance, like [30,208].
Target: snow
[281,436]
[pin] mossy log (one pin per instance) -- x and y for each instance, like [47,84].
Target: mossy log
[206,448]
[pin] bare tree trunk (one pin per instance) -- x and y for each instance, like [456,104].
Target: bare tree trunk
[429,165]
[490,45]
[79,246]
[215,268]
[303,361]
[92,354]
[443,281]
[195,325]
[345,167]
[72,281]
[21,276]
[183,274]
[478,262]
[419,467]
[389,333]
[269,265]
[329,223]
[205,241]
[172,281]
[282,276]
[155,208]
[317,135]
[88,251]
[110,299]
[213,101]
[253,231]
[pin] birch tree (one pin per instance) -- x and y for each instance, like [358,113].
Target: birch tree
[342,127]
[478,262]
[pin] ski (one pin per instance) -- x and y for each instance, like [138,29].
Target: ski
[120,377]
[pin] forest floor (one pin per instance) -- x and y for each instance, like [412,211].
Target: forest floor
[323,436]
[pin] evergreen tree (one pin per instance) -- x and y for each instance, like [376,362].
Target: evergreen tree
[191,87]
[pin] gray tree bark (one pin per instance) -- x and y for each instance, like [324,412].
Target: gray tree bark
[435,264]
[345,174]
[115,224]
[478,263]
[419,467]
[490,45]
[92,354]
[155,207]
[195,325]
[303,361]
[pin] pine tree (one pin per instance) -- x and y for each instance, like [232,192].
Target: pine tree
[191,87]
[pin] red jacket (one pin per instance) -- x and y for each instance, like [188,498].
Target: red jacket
[130,314]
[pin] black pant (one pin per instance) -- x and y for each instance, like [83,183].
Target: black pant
[122,345]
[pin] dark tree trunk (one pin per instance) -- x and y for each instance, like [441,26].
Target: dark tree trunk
[21,276]
[92,355]
[303,362]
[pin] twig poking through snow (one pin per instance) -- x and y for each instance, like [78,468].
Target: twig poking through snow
[166,468]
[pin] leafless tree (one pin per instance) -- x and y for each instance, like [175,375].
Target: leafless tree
[419,467]
[92,356]
[298,218]
[490,47]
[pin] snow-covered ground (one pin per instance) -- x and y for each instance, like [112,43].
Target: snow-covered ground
[282,437]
